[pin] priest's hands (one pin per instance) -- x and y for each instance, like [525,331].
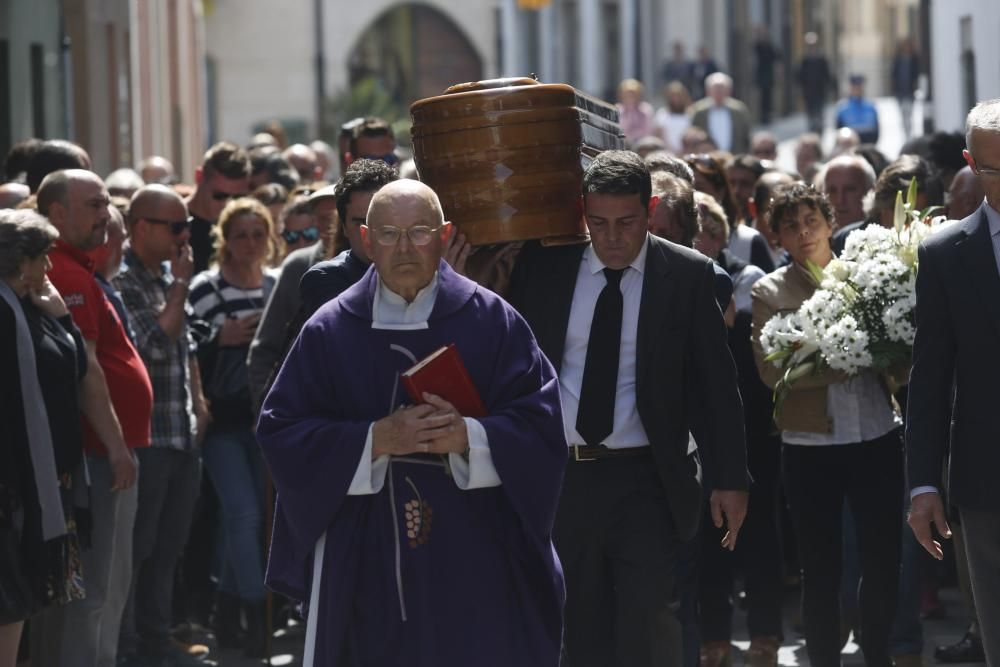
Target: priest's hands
[729,509]
[432,428]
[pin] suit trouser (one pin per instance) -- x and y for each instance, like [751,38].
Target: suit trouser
[758,553]
[84,633]
[817,480]
[618,545]
[982,548]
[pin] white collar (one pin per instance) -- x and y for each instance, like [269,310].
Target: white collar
[391,311]
[596,265]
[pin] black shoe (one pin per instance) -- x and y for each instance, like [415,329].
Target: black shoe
[968,649]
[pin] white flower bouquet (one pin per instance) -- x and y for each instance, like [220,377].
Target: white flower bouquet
[861,317]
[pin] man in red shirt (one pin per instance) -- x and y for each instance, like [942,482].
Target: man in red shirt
[116,399]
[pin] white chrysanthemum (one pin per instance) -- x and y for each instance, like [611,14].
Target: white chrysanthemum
[898,320]
[845,347]
[872,241]
[785,333]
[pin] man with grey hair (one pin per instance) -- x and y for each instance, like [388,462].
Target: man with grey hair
[725,119]
[956,361]
[847,180]
[116,403]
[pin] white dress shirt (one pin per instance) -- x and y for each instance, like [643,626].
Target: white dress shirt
[628,430]
[993,219]
[720,127]
[391,311]
[858,409]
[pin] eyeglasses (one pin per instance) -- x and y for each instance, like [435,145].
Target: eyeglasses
[389,236]
[177,227]
[226,196]
[389,158]
[292,236]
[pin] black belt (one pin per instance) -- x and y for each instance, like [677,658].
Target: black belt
[599,452]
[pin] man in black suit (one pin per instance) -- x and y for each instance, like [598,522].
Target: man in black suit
[956,363]
[632,326]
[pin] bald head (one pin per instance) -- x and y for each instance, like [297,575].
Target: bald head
[405,236]
[303,159]
[154,200]
[77,203]
[12,194]
[156,169]
[965,194]
[406,198]
[158,224]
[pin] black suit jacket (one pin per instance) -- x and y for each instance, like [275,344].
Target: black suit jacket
[956,362]
[685,376]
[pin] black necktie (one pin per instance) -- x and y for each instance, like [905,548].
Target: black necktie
[596,417]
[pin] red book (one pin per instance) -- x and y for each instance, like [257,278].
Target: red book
[443,374]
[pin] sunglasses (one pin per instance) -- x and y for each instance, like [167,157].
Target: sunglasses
[389,158]
[309,234]
[226,196]
[177,227]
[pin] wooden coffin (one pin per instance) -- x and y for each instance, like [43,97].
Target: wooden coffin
[506,156]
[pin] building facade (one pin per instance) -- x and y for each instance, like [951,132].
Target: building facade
[966,58]
[123,78]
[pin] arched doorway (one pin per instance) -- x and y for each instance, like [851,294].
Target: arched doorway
[409,52]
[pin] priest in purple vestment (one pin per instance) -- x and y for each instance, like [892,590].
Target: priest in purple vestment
[416,535]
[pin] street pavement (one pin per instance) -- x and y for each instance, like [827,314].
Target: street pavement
[947,630]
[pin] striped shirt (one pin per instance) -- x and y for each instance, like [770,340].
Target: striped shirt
[145,296]
[213,299]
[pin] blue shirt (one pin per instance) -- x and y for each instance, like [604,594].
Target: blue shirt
[860,115]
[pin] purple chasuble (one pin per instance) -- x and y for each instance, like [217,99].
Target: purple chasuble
[421,573]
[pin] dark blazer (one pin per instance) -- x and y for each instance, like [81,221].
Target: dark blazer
[741,121]
[685,376]
[952,402]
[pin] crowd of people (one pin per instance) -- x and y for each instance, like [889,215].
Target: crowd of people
[179,353]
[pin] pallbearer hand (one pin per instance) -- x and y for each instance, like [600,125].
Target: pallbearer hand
[729,509]
[925,509]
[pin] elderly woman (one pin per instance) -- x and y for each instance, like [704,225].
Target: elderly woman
[841,441]
[230,298]
[43,358]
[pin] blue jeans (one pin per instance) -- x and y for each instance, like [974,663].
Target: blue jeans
[236,468]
